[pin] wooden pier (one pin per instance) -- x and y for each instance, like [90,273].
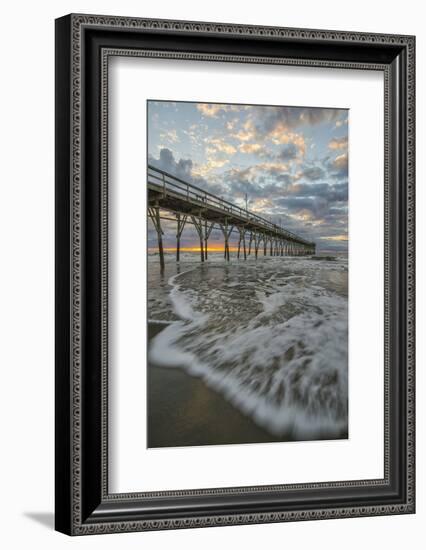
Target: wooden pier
[188,204]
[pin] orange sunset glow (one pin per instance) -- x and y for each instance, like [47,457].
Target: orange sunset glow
[213,248]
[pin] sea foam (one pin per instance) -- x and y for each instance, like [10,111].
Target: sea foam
[271,337]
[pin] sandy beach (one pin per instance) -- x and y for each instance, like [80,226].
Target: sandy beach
[247,352]
[184,411]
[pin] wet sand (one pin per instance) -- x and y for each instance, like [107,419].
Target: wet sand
[184,411]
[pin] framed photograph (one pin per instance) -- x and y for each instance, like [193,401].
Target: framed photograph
[234,274]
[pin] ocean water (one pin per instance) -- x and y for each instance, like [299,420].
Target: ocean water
[271,336]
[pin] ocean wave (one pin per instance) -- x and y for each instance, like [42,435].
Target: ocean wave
[271,337]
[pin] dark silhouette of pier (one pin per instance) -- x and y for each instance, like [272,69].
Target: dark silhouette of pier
[188,204]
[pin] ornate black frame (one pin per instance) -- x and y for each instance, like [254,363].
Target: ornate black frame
[83,46]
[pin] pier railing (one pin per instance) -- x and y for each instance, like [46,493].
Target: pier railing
[168,184]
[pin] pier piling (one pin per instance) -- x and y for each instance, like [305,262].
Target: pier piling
[169,195]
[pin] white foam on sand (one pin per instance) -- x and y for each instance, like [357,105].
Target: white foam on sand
[270,337]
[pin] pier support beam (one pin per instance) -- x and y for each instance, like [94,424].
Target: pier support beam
[273,242]
[181,221]
[257,239]
[198,223]
[207,231]
[251,240]
[226,232]
[242,239]
[154,214]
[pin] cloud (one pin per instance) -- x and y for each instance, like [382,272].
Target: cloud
[289,151]
[335,238]
[313,116]
[283,125]
[341,161]
[275,167]
[272,168]
[203,170]
[288,118]
[339,166]
[210,109]
[312,173]
[314,206]
[317,209]
[250,148]
[167,162]
[309,207]
[260,174]
[337,192]
[339,143]
[282,136]
[294,143]
[213,110]
[341,122]
[194,132]
[230,124]
[219,145]
[246,132]
[170,136]
[186,170]
[259,181]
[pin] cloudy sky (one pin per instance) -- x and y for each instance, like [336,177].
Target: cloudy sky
[291,161]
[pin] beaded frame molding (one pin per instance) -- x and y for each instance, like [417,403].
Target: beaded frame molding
[84,44]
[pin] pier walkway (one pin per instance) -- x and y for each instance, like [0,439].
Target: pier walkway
[188,204]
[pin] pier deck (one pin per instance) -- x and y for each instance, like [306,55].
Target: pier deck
[190,204]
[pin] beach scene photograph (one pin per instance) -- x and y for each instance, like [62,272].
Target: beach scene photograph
[247,263]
